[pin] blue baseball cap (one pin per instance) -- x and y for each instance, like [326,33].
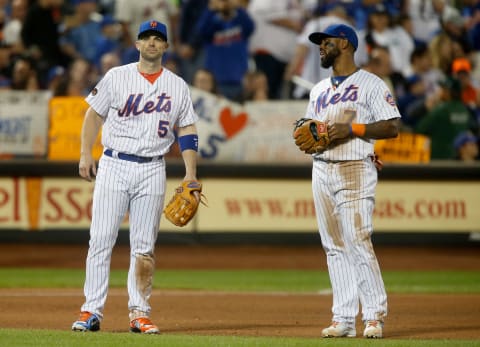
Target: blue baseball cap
[340,31]
[54,72]
[463,138]
[411,80]
[108,20]
[155,27]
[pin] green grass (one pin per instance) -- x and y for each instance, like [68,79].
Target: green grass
[305,281]
[442,282]
[49,338]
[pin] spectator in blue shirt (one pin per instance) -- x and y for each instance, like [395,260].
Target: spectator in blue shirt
[82,32]
[225,29]
[109,39]
[190,50]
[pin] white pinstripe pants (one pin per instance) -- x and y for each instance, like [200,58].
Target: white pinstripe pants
[344,196]
[122,186]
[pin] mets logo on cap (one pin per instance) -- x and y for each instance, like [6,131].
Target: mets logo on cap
[153,27]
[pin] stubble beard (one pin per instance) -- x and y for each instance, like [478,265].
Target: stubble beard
[328,59]
[151,58]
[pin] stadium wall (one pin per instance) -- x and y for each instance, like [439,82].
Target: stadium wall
[438,203]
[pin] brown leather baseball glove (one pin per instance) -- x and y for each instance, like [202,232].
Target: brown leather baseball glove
[183,205]
[311,136]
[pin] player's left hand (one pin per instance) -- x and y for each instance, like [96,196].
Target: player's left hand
[183,205]
[377,162]
[196,193]
[311,136]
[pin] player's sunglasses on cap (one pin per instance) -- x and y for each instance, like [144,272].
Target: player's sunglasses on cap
[153,27]
[340,31]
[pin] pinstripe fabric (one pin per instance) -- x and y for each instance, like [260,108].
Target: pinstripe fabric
[344,179]
[344,196]
[122,186]
[139,119]
[136,112]
[361,98]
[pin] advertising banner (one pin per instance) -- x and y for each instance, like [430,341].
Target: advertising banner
[229,132]
[66,119]
[248,205]
[55,203]
[287,205]
[23,123]
[256,132]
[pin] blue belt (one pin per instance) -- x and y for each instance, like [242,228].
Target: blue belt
[131,157]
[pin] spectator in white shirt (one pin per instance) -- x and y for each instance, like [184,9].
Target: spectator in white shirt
[277,24]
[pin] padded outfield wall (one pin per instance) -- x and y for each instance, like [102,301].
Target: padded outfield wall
[45,201]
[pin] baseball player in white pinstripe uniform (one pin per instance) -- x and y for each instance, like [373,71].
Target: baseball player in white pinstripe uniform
[358,108]
[138,105]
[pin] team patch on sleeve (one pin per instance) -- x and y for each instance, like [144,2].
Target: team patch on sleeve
[94,91]
[389,98]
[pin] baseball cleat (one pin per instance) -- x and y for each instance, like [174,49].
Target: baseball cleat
[143,325]
[373,329]
[340,329]
[87,321]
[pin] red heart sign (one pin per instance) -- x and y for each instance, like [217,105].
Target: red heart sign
[231,123]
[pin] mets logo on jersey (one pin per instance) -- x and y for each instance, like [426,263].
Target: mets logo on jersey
[135,105]
[389,98]
[325,99]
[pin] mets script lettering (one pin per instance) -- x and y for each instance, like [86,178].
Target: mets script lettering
[350,93]
[132,106]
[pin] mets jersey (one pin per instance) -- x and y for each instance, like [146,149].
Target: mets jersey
[361,98]
[139,116]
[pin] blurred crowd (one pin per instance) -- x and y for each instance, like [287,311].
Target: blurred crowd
[427,51]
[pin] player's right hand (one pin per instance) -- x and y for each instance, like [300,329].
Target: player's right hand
[87,168]
[338,131]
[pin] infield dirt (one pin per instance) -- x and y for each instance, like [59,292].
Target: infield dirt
[455,316]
